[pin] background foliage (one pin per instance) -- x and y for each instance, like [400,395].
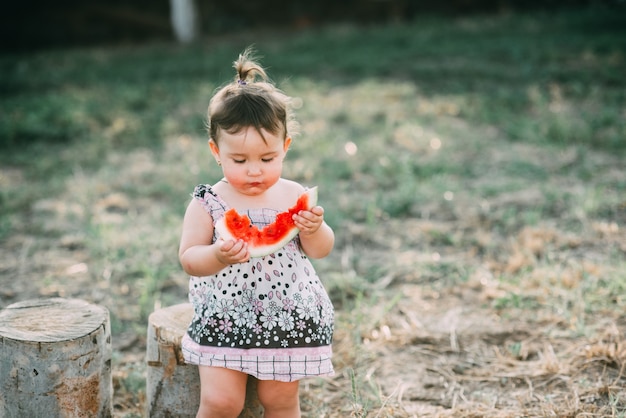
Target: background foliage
[37,24]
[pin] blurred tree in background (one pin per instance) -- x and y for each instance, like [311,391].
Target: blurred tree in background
[39,24]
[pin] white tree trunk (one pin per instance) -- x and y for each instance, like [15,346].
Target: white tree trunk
[55,359]
[185,20]
[172,386]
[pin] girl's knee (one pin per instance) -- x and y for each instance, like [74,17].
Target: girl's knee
[278,395]
[220,404]
[222,392]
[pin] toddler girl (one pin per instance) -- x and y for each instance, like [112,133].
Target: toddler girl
[269,317]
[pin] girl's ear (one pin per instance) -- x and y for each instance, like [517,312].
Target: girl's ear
[215,150]
[287,143]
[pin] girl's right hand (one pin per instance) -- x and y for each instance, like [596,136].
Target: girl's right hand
[232,252]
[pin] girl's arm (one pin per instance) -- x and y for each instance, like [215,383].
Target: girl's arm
[316,237]
[197,253]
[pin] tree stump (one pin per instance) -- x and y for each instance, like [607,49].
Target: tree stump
[55,359]
[172,386]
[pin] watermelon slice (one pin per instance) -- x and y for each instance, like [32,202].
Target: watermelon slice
[272,237]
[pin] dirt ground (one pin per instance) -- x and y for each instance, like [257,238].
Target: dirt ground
[417,342]
[442,350]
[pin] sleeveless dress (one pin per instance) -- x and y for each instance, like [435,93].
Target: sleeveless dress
[269,317]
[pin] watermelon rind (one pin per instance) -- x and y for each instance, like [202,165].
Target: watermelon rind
[263,250]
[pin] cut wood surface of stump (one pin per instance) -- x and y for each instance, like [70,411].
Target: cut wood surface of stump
[55,359]
[172,386]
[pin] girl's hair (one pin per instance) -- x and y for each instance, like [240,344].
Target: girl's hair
[247,102]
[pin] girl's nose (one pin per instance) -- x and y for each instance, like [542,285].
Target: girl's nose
[254,170]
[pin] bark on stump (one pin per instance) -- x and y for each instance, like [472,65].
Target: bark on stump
[172,386]
[55,359]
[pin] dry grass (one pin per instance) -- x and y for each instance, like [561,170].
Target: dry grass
[437,317]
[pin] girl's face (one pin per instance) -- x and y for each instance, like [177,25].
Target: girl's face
[250,164]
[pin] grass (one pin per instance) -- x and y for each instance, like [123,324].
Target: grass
[472,163]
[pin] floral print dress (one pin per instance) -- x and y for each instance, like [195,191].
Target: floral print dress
[269,317]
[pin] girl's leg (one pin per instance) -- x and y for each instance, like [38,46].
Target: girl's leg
[279,399]
[222,392]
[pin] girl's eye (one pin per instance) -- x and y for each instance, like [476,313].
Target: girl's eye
[267,160]
[239,161]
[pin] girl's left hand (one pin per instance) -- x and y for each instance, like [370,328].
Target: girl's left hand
[309,221]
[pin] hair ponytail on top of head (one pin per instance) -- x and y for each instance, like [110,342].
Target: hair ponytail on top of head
[247,68]
[251,100]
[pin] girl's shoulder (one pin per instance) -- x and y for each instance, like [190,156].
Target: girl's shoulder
[208,198]
[283,194]
[291,186]
[203,190]
[289,190]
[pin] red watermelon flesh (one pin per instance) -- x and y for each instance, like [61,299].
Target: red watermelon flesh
[270,238]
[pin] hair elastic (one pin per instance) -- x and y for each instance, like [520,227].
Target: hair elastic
[242,82]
